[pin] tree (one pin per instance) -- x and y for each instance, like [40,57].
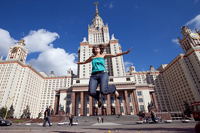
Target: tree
[2,112]
[187,110]
[39,115]
[26,113]
[52,112]
[11,112]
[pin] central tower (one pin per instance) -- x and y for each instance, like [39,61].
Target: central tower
[98,32]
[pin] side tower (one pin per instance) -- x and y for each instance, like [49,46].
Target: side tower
[18,52]
[190,40]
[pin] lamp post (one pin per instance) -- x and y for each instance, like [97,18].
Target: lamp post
[8,106]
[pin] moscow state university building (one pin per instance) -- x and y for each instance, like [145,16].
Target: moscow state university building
[165,88]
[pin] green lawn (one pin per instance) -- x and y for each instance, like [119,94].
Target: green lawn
[18,120]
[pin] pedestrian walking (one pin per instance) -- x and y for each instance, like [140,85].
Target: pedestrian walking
[71,120]
[102,119]
[46,116]
[99,119]
[99,73]
[153,117]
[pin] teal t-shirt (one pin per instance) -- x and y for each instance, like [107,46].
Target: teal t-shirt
[98,64]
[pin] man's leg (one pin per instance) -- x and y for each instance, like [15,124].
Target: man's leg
[44,124]
[49,121]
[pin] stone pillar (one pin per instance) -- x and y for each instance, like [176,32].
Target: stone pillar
[126,102]
[82,104]
[100,109]
[155,101]
[73,103]
[117,106]
[136,102]
[56,104]
[108,105]
[91,106]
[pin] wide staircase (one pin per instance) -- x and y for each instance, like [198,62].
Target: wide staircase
[107,118]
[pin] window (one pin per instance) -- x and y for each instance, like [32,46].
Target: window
[141,107]
[140,100]
[68,102]
[139,93]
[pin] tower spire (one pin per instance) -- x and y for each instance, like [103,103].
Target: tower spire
[96,13]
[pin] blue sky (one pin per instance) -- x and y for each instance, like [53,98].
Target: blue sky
[53,29]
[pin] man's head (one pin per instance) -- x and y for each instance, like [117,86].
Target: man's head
[50,106]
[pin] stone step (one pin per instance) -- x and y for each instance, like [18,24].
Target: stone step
[108,118]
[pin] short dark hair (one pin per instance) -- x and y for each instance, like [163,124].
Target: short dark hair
[101,46]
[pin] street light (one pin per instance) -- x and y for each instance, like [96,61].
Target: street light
[8,106]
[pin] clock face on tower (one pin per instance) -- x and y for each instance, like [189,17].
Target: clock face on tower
[97,28]
[195,35]
[14,49]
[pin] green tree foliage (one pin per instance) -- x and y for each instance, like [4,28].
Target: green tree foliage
[3,112]
[187,110]
[39,115]
[11,112]
[52,112]
[26,113]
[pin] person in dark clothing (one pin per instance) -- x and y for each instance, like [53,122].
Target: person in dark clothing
[70,120]
[46,116]
[102,119]
[153,116]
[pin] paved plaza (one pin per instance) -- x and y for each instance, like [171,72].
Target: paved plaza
[107,127]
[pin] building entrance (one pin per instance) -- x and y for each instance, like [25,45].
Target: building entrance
[104,111]
[112,111]
[95,111]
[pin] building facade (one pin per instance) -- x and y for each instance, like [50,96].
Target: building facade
[134,97]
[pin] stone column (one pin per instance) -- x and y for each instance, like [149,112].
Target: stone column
[117,106]
[127,102]
[155,101]
[136,102]
[100,109]
[133,102]
[91,106]
[108,105]
[56,104]
[73,103]
[82,103]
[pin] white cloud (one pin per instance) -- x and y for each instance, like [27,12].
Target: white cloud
[156,50]
[127,65]
[5,42]
[49,59]
[175,41]
[194,23]
[39,41]
[111,5]
[196,1]
[54,59]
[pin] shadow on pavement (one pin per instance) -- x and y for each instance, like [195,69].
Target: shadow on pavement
[67,132]
[182,130]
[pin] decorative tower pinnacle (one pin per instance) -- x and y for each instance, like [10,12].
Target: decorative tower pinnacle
[96,13]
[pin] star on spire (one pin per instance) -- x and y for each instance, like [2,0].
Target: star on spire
[96,13]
